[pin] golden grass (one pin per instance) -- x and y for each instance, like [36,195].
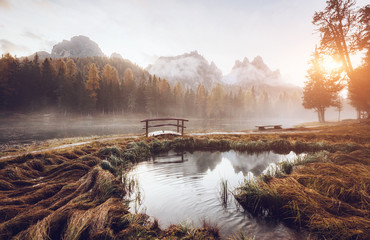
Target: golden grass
[329,198]
[65,193]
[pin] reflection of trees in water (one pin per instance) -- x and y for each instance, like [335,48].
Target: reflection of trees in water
[206,160]
[195,164]
[188,164]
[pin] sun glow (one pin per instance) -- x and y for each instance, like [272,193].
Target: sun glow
[330,64]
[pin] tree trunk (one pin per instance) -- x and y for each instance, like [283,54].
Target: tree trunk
[321,114]
[339,116]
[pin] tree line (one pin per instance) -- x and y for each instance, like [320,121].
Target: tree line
[101,85]
[344,30]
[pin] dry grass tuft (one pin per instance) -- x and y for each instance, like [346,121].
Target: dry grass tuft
[330,198]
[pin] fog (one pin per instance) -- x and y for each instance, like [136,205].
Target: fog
[19,128]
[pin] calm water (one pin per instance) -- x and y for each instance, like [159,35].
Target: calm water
[36,127]
[176,189]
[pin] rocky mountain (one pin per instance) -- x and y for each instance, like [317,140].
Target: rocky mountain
[41,55]
[191,69]
[78,46]
[116,55]
[246,73]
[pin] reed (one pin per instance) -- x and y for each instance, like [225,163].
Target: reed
[241,235]
[224,192]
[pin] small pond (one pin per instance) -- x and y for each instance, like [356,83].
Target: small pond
[177,188]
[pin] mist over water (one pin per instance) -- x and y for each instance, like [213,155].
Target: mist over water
[27,128]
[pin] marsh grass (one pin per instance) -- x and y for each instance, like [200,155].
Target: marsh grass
[224,192]
[136,152]
[65,194]
[262,199]
[259,199]
[241,235]
[186,230]
[326,193]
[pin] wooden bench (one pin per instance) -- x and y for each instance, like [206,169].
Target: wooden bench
[176,124]
[264,127]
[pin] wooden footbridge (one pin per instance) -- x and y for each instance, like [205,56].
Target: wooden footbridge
[264,127]
[175,122]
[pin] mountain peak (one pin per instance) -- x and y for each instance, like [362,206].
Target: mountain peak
[78,46]
[116,55]
[239,64]
[191,69]
[252,73]
[258,63]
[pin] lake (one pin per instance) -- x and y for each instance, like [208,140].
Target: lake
[27,128]
[177,188]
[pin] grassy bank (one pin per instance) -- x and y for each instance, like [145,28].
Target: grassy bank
[78,192]
[327,194]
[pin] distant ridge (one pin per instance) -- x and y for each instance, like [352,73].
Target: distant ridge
[190,69]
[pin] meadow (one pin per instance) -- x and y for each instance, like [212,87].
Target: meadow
[79,192]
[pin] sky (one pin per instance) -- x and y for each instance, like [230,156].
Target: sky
[223,31]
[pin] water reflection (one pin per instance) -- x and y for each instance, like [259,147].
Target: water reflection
[187,187]
[171,157]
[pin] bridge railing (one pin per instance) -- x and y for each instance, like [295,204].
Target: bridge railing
[175,122]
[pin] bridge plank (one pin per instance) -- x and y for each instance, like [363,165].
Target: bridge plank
[163,119]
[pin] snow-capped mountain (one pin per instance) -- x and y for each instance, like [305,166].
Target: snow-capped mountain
[191,69]
[252,73]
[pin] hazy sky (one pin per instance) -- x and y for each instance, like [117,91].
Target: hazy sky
[280,31]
